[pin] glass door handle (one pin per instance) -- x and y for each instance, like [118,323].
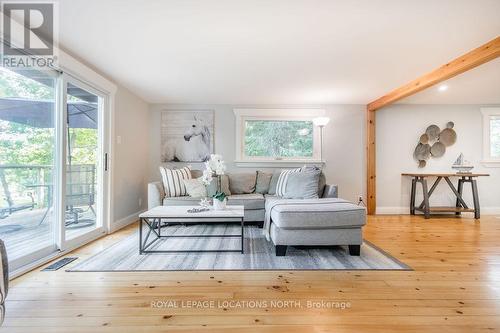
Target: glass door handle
[105,161]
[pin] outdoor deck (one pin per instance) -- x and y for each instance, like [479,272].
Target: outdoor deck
[23,233]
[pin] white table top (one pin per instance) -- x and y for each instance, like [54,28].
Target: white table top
[182,211]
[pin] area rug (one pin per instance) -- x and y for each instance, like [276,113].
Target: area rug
[259,254]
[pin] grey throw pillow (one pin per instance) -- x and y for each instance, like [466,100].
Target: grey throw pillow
[274,182]
[302,185]
[242,183]
[263,182]
[196,173]
[212,188]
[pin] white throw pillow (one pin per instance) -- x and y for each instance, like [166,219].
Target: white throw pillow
[173,181]
[282,180]
[195,188]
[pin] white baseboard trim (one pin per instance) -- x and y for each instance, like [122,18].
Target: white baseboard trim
[392,210]
[406,210]
[42,261]
[117,225]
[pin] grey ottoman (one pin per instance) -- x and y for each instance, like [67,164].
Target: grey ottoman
[317,223]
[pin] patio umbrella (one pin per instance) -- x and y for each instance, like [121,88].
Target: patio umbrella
[39,113]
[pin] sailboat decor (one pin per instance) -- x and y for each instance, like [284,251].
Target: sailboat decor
[462,165]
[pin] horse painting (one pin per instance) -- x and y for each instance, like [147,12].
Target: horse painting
[193,142]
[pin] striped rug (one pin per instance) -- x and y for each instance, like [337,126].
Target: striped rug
[259,254]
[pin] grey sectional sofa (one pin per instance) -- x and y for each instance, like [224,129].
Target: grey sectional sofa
[323,221]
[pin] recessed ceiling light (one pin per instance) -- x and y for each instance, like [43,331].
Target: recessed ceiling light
[443,87]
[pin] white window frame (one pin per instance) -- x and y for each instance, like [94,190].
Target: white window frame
[488,160]
[242,115]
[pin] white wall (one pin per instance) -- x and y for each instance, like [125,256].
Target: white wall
[131,157]
[398,129]
[343,151]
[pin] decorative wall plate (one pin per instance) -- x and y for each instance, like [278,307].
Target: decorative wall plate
[424,139]
[433,143]
[438,149]
[433,132]
[448,137]
[422,152]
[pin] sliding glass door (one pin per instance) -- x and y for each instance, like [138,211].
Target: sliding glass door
[27,164]
[84,160]
[53,150]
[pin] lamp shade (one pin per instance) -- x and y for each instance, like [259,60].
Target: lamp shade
[321,121]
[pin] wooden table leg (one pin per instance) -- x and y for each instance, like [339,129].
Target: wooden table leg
[433,187]
[412,196]
[425,193]
[460,191]
[475,198]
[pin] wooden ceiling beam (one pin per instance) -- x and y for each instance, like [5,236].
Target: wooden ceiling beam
[474,58]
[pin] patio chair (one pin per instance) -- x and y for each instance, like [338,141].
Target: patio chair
[12,208]
[80,192]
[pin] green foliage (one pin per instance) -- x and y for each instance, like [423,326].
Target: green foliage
[278,138]
[25,145]
[220,196]
[19,86]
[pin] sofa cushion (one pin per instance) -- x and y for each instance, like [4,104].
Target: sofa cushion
[302,185]
[172,180]
[313,214]
[242,183]
[212,188]
[263,182]
[181,201]
[250,201]
[253,201]
[283,180]
[321,184]
[195,188]
[274,182]
[196,173]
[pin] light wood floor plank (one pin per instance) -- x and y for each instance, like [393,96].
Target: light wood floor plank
[454,287]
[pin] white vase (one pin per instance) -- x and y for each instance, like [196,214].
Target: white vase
[220,205]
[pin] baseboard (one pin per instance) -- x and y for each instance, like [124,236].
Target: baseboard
[117,225]
[406,210]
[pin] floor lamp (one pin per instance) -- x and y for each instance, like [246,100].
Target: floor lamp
[321,122]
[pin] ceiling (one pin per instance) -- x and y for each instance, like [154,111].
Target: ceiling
[271,52]
[480,85]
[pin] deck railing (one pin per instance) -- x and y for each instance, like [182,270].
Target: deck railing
[29,186]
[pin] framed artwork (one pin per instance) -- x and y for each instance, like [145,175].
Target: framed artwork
[187,135]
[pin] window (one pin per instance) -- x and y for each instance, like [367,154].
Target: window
[277,135]
[495,136]
[491,135]
[279,138]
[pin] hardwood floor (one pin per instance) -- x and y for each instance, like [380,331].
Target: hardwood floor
[455,287]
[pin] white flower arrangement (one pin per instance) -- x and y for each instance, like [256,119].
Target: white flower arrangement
[214,166]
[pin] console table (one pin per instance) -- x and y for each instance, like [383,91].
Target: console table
[460,205]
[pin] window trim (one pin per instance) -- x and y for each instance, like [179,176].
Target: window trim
[488,160]
[243,115]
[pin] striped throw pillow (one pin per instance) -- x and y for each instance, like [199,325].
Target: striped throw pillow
[173,181]
[282,180]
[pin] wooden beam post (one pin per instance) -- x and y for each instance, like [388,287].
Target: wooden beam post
[371,199]
[472,59]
